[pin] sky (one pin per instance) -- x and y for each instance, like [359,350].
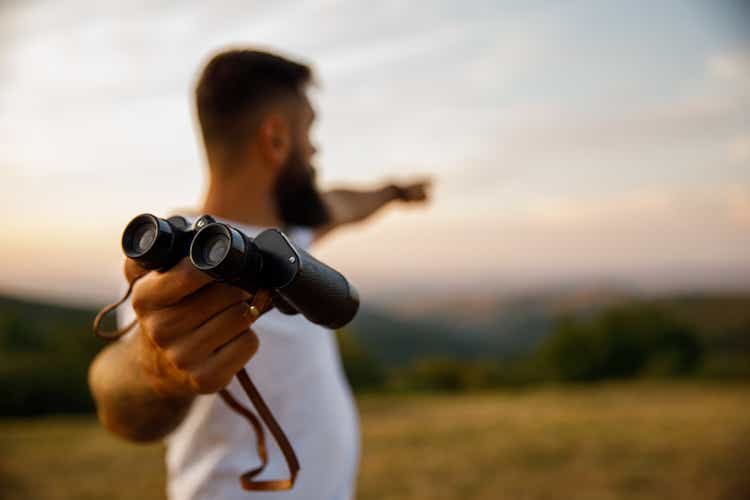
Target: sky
[568,141]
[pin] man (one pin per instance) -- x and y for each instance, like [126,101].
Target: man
[193,334]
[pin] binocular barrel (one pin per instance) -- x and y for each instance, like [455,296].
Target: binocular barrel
[228,255]
[156,243]
[300,282]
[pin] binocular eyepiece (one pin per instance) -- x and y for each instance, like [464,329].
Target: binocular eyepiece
[228,255]
[300,283]
[156,243]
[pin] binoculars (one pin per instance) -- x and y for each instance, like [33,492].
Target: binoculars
[299,283]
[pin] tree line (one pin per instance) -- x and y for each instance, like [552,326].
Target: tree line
[45,352]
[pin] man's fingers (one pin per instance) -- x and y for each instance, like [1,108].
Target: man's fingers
[133,270]
[416,191]
[217,371]
[215,333]
[159,290]
[193,311]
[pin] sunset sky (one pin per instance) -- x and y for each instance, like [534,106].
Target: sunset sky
[569,141]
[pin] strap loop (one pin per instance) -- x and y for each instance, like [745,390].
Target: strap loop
[111,307]
[246,480]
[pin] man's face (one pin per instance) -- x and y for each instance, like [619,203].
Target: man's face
[298,200]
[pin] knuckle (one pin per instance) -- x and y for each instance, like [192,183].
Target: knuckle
[138,301]
[157,332]
[180,362]
[176,359]
[239,325]
[238,294]
[251,341]
[170,356]
[226,295]
[182,280]
[237,315]
[183,276]
[158,339]
[175,319]
[133,270]
[232,319]
[207,382]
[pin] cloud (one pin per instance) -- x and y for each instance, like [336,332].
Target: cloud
[730,66]
[700,118]
[738,150]
[659,205]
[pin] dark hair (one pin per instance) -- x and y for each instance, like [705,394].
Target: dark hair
[236,83]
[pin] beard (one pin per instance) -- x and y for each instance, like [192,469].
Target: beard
[298,201]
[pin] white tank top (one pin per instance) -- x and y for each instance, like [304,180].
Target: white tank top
[297,370]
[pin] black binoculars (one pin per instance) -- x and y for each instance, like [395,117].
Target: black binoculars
[300,284]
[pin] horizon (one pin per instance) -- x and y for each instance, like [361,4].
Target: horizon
[396,298]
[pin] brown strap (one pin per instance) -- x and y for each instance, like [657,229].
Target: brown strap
[260,438]
[246,480]
[99,317]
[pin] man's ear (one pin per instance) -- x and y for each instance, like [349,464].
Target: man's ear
[274,139]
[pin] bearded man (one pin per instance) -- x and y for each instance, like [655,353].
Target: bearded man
[193,333]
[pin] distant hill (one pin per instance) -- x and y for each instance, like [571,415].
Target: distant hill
[45,349]
[395,340]
[510,327]
[36,326]
[481,326]
[483,308]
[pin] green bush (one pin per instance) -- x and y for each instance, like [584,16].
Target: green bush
[362,371]
[37,384]
[621,342]
[45,352]
[454,375]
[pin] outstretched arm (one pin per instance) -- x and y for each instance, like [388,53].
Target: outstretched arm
[347,206]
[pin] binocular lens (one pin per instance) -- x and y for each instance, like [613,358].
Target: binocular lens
[143,237]
[226,254]
[215,249]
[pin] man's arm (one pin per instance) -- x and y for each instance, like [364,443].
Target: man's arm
[193,335]
[347,206]
[128,403]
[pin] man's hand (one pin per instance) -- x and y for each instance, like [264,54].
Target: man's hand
[194,332]
[416,191]
[193,335]
[347,206]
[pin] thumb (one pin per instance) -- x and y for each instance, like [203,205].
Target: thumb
[133,270]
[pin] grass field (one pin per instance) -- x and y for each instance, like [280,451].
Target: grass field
[604,442]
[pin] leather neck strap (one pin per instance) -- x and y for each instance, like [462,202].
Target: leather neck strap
[273,426]
[111,307]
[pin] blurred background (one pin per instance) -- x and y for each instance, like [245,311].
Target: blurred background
[569,317]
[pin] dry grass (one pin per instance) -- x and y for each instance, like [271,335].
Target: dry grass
[608,442]
[611,442]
